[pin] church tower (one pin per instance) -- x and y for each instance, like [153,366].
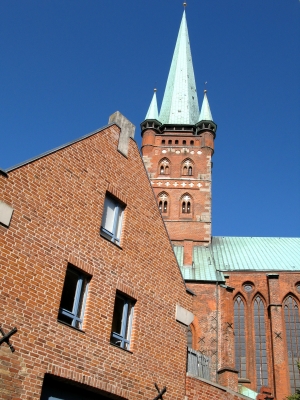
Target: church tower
[177,147]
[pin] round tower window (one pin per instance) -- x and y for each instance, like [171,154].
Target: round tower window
[298,287]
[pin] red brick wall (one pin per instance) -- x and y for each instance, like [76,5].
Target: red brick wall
[273,293]
[197,389]
[176,185]
[58,204]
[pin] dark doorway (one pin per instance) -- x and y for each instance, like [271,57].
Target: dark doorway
[57,389]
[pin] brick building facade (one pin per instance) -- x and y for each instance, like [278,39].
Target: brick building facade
[51,211]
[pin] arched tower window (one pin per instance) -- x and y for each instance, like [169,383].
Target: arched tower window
[260,344]
[163,203]
[164,167]
[292,327]
[186,204]
[240,337]
[187,167]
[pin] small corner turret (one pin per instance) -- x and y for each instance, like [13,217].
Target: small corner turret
[206,122]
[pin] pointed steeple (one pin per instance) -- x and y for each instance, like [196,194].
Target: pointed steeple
[153,110]
[180,102]
[205,114]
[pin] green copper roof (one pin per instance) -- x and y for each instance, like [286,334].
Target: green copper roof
[180,102]
[205,113]
[153,110]
[202,269]
[256,253]
[241,254]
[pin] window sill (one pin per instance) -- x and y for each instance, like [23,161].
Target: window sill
[70,326]
[121,348]
[110,241]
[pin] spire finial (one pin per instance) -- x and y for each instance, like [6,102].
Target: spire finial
[155,90]
[184,4]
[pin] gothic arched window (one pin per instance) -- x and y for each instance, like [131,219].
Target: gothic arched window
[164,167]
[292,328]
[186,204]
[163,203]
[187,167]
[260,344]
[240,337]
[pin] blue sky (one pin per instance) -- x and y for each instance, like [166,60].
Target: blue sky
[66,65]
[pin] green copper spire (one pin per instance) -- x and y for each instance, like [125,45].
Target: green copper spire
[153,110]
[180,102]
[205,114]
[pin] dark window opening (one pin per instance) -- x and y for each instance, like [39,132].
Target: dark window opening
[184,142]
[170,142]
[176,141]
[73,298]
[192,143]
[122,321]
[163,142]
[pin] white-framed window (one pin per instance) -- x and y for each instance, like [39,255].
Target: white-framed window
[111,226]
[73,298]
[122,321]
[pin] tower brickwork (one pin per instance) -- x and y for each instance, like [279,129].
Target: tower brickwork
[177,148]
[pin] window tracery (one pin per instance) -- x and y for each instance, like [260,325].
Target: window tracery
[260,344]
[292,327]
[240,337]
[163,203]
[186,204]
[187,168]
[164,167]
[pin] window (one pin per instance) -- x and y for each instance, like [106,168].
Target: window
[170,142]
[122,321]
[176,141]
[186,205]
[187,167]
[239,336]
[73,297]
[164,167]
[163,142]
[184,142]
[192,143]
[260,344]
[163,203]
[292,328]
[111,225]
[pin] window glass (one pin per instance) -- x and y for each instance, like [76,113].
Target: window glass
[260,344]
[111,226]
[108,216]
[119,224]
[239,336]
[292,328]
[69,290]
